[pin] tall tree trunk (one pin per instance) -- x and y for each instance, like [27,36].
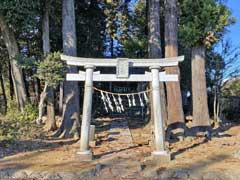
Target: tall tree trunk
[13,51]
[199,89]
[215,106]
[112,47]
[70,116]
[45,28]
[60,99]
[11,86]
[154,44]
[36,88]
[26,84]
[174,97]
[41,108]
[154,40]
[51,122]
[3,92]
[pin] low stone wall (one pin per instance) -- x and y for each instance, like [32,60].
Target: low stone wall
[95,174]
[45,175]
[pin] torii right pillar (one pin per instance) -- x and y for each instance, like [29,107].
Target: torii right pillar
[160,153]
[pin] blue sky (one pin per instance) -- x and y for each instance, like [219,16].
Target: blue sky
[234,34]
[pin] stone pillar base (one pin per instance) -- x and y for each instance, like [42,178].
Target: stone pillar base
[161,156]
[84,155]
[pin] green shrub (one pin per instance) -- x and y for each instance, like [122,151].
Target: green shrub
[230,107]
[16,124]
[52,69]
[8,133]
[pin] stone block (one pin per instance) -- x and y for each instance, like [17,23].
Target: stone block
[84,156]
[68,176]
[165,174]
[4,174]
[19,175]
[180,174]
[53,176]
[92,133]
[35,175]
[161,157]
[195,175]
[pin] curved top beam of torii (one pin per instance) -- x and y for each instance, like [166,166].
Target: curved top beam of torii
[108,62]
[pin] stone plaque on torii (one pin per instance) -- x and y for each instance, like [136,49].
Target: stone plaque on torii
[122,75]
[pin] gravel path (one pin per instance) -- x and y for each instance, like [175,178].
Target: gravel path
[119,135]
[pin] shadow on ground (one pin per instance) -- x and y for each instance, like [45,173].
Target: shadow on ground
[33,145]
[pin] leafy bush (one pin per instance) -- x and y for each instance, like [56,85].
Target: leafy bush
[17,124]
[51,70]
[230,107]
[8,133]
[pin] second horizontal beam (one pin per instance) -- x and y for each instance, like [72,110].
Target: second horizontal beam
[113,77]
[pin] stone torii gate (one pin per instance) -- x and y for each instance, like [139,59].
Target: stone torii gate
[122,75]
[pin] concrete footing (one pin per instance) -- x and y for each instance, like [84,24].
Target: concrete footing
[161,156]
[84,155]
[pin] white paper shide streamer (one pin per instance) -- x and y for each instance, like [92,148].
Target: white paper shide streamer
[129,101]
[120,102]
[133,100]
[104,101]
[118,108]
[109,103]
[145,97]
[115,103]
[140,99]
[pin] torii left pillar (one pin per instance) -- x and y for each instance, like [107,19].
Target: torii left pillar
[85,154]
[160,153]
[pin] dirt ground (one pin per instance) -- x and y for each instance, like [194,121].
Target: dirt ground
[193,155]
